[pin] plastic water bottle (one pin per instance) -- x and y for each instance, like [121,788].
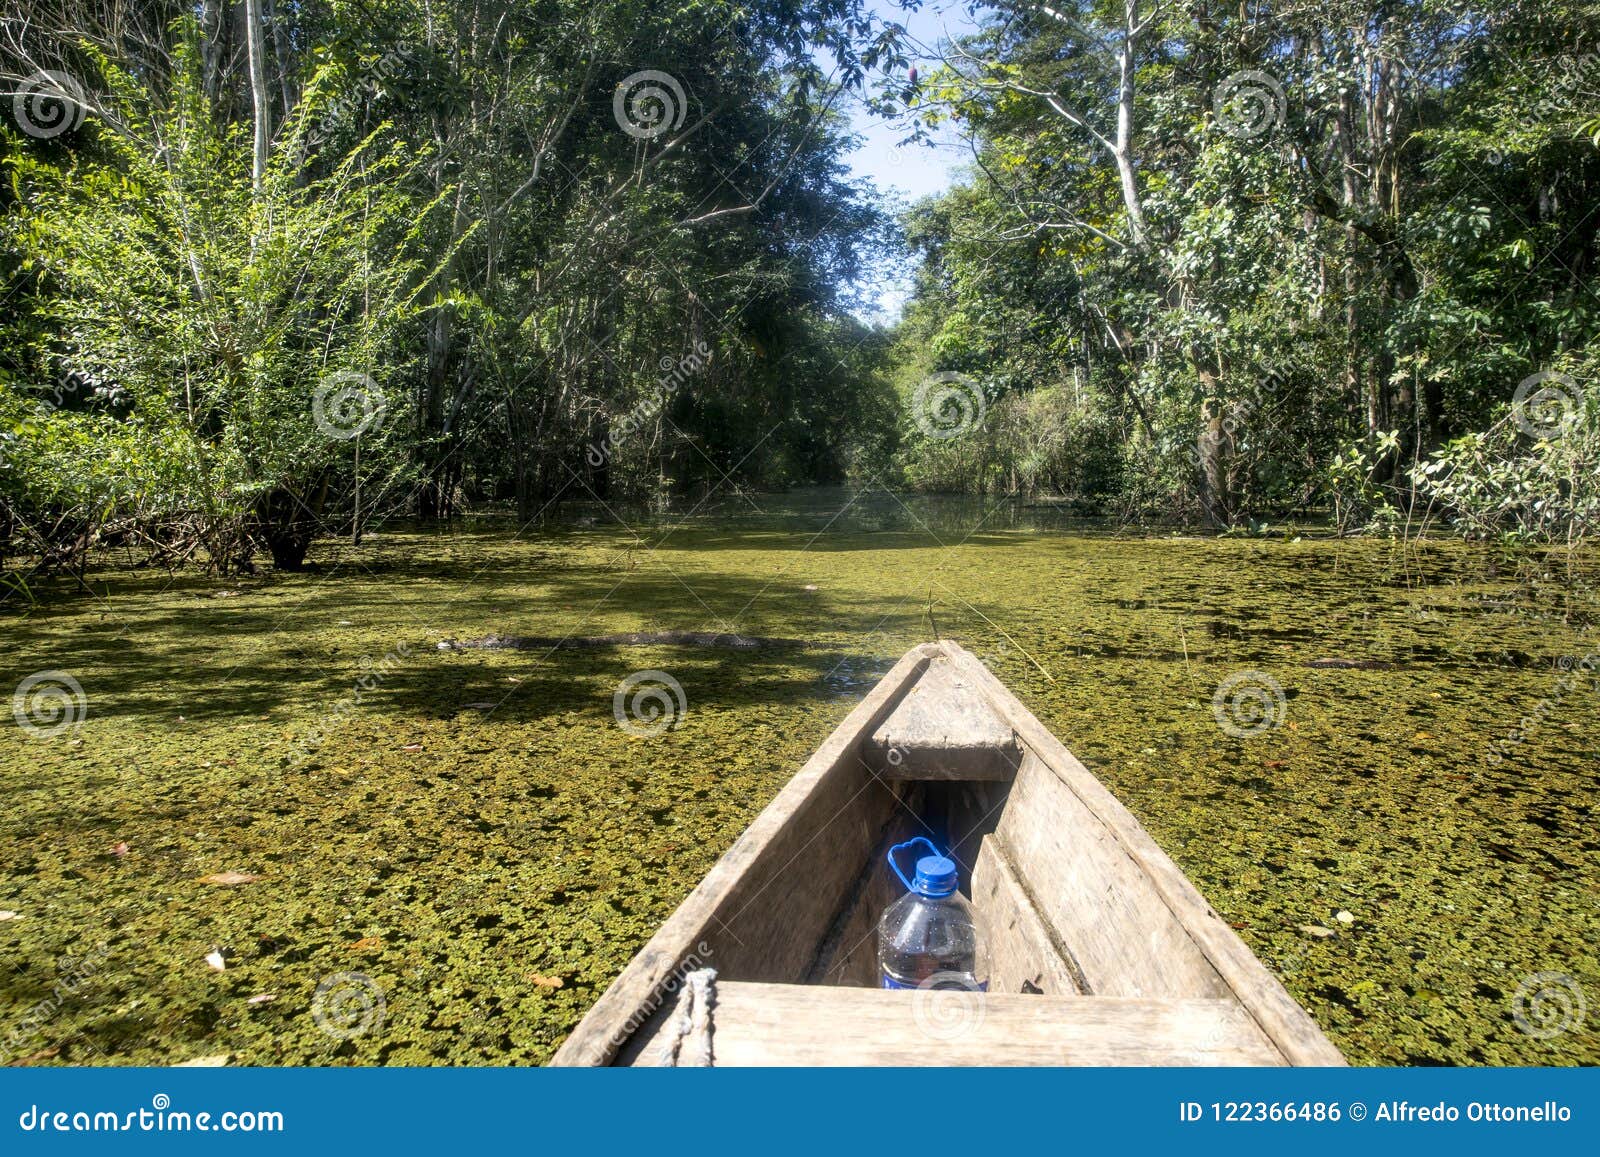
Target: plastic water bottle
[928,938]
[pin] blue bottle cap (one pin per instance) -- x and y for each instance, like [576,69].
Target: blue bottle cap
[936,876]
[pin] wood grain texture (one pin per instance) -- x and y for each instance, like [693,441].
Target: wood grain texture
[1081,898]
[1281,1018]
[1096,898]
[849,953]
[943,729]
[784,1024]
[730,913]
[1023,954]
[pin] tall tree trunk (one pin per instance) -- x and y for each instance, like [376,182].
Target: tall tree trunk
[355,518]
[260,99]
[1344,152]
[1127,67]
[441,400]
[281,50]
[213,28]
[1214,450]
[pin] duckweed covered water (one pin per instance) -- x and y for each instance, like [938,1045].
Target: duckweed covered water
[463,881]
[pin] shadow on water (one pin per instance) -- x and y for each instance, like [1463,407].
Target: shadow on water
[218,659]
[455,823]
[815,510]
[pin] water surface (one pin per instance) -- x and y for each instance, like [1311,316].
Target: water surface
[488,871]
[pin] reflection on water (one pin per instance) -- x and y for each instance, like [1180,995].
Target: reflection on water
[831,509]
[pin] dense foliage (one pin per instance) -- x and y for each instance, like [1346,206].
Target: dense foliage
[332,259]
[276,267]
[1254,258]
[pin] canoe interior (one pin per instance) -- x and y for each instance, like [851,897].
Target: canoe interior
[1094,935]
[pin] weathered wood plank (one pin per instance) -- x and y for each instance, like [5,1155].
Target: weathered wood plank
[943,729]
[1023,956]
[1281,1018]
[849,954]
[731,912]
[1074,881]
[773,921]
[783,1024]
[1095,896]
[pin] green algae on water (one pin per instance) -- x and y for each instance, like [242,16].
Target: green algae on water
[472,834]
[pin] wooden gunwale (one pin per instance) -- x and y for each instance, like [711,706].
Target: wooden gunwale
[1282,1019]
[636,998]
[640,986]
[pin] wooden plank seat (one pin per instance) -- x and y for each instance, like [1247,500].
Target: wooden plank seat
[943,729]
[798,1024]
[1101,951]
